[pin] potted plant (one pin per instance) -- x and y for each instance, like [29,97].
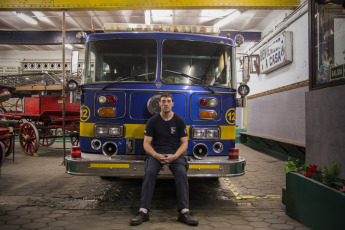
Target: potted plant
[316,199]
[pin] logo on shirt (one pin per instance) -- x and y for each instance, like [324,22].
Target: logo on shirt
[173,130]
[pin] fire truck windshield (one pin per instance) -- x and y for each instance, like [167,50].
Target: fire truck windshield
[121,60]
[208,62]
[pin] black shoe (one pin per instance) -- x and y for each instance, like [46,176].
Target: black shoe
[187,219]
[140,218]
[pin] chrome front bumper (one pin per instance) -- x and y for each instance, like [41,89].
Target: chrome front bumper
[134,166]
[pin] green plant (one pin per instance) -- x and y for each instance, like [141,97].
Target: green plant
[295,166]
[330,177]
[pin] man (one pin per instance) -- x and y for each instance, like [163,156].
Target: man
[165,141]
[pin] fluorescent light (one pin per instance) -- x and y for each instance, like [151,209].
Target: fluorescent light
[69,46]
[26,18]
[227,19]
[42,17]
[162,16]
[216,13]
[161,13]
[147,17]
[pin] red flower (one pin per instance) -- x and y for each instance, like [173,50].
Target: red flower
[308,174]
[342,189]
[313,168]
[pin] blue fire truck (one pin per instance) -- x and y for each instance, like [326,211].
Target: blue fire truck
[124,75]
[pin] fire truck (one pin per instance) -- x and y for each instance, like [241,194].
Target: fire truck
[126,71]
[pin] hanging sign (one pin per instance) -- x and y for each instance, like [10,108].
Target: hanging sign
[277,53]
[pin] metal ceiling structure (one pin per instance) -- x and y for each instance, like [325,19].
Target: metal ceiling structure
[143,4]
[81,15]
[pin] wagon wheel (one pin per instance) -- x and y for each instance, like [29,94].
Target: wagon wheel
[47,137]
[75,133]
[28,138]
[7,146]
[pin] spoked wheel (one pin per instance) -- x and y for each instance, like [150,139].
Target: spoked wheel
[28,138]
[75,134]
[47,137]
[7,146]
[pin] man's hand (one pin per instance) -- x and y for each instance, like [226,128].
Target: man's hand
[161,158]
[169,158]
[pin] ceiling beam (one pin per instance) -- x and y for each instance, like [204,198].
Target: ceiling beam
[143,4]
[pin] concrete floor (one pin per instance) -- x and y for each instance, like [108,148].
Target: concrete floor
[36,193]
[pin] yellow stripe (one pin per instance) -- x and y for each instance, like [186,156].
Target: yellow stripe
[193,166]
[137,131]
[86,129]
[227,132]
[118,166]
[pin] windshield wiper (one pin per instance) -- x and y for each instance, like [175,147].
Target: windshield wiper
[197,80]
[126,78]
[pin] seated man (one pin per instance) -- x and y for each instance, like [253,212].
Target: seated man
[165,142]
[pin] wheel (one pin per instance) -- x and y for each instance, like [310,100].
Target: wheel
[75,134]
[47,137]
[7,146]
[28,138]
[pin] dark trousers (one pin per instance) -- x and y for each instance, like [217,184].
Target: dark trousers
[179,168]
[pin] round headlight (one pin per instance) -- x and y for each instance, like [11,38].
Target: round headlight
[102,99]
[213,102]
[243,90]
[72,85]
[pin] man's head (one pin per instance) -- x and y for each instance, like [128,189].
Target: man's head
[166,102]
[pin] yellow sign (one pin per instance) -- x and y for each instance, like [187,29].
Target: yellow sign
[84,113]
[230,116]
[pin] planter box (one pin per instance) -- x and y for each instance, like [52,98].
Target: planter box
[314,204]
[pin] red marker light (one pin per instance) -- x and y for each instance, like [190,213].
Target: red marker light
[203,102]
[112,99]
[75,152]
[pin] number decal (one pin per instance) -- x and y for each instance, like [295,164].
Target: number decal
[84,113]
[230,116]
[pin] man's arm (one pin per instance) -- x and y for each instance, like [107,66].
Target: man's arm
[149,150]
[180,151]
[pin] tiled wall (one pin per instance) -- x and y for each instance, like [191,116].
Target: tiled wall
[325,123]
[280,115]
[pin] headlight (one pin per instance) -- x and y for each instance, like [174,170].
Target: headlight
[72,85]
[209,133]
[108,130]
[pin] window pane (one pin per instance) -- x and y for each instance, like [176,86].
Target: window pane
[208,62]
[125,60]
[330,46]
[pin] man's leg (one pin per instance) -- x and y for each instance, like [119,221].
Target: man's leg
[179,168]
[152,168]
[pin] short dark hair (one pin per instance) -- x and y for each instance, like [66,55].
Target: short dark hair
[166,94]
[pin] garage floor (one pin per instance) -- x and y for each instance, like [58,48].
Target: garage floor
[36,193]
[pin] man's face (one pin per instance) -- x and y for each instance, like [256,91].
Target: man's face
[166,104]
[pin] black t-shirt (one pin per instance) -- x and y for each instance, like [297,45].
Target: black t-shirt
[166,134]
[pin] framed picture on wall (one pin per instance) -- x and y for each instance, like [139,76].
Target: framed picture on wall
[255,63]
